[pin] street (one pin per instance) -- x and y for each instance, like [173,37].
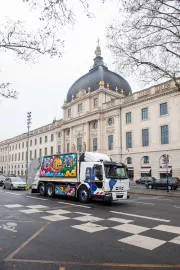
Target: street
[60,234]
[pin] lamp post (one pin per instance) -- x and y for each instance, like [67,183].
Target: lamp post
[166,162]
[28,126]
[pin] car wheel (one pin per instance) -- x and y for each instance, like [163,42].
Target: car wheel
[175,188]
[4,186]
[11,187]
[50,190]
[83,194]
[42,189]
[150,186]
[169,187]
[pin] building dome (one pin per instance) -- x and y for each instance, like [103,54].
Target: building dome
[99,72]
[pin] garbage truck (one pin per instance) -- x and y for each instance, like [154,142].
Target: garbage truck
[82,175]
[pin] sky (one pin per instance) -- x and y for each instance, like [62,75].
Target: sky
[43,86]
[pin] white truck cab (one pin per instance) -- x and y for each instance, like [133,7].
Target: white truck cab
[85,176]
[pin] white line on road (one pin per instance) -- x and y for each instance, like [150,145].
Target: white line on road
[83,206]
[17,194]
[176,206]
[145,203]
[164,200]
[37,198]
[145,217]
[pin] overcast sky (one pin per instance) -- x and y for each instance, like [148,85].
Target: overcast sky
[43,86]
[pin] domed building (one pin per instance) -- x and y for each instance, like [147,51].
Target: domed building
[100,113]
[99,72]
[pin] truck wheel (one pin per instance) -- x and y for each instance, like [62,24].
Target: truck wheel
[50,190]
[169,187]
[83,194]
[42,189]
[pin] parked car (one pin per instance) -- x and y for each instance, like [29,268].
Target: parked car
[2,178]
[173,183]
[145,179]
[14,183]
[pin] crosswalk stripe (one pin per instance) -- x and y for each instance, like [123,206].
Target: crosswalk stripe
[145,217]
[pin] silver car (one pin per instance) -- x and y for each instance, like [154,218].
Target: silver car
[14,183]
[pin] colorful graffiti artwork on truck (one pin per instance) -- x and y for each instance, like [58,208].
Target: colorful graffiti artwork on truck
[65,190]
[59,166]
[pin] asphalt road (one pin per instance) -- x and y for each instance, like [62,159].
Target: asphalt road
[60,234]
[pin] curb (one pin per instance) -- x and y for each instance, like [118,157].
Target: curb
[163,195]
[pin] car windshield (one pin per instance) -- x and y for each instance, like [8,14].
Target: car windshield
[17,179]
[114,171]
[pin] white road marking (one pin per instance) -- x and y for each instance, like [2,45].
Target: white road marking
[89,218]
[78,205]
[143,241]
[166,228]
[131,228]
[164,200]
[58,212]
[37,198]
[9,227]
[31,211]
[13,205]
[175,240]
[84,214]
[55,218]
[176,206]
[145,217]
[39,206]
[17,194]
[145,203]
[120,220]
[90,227]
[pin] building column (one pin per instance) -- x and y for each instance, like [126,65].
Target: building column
[63,141]
[88,136]
[99,136]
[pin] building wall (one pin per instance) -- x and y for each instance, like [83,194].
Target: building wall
[94,122]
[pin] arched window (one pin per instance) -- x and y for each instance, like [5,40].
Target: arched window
[129,160]
[145,160]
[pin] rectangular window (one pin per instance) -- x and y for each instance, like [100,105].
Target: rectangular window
[163,108]
[26,143]
[110,142]
[164,134]
[15,157]
[13,148]
[80,107]
[35,141]
[19,157]
[30,142]
[40,140]
[128,117]
[145,137]
[52,137]
[128,140]
[59,149]
[23,145]
[9,158]
[95,102]
[45,151]
[30,154]
[40,152]
[79,144]
[16,146]
[94,144]
[22,155]
[35,154]
[69,113]
[19,145]
[51,150]
[46,138]
[67,147]
[144,113]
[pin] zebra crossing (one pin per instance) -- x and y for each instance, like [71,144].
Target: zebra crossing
[118,222]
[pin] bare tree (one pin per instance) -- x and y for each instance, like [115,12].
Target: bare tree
[146,42]
[46,39]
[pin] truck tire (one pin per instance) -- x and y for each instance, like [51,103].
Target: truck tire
[83,194]
[42,189]
[50,190]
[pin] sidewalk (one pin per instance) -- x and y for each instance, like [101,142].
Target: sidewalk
[141,189]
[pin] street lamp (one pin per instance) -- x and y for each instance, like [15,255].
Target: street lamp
[28,126]
[166,162]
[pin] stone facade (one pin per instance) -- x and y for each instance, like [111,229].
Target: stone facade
[97,121]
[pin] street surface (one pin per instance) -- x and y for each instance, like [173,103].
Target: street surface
[62,234]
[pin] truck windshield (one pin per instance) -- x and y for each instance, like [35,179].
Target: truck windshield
[113,171]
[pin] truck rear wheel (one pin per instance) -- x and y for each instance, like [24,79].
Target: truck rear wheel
[83,194]
[42,189]
[50,190]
